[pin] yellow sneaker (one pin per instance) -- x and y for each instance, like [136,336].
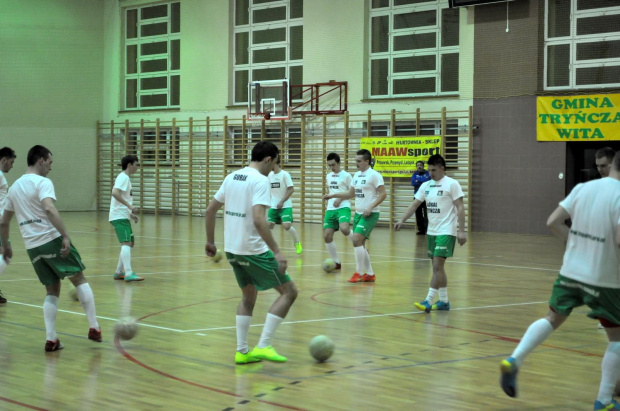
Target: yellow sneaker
[298,247]
[246,358]
[268,353]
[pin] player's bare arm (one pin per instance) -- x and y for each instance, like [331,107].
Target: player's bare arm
[410,211]
[380,198]
[212,210]
[287,195]
[461,235]
[345,195]
[54,217]
[7,251]
[555,222]
[260,222]
[116,193]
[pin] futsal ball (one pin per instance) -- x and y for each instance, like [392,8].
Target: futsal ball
[218,256]
[73,294]
[329,265]
[321,348]
[126,328]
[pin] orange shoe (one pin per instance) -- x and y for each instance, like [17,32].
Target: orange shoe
[355,278]
[368,278]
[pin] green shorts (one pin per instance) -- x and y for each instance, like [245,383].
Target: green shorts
[280,215]
[364,225]
[568,294]
[50,266]
[260,270]
[123,230]
[440,245]
[333,218]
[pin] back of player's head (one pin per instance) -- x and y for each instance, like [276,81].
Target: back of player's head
[365,153]
[36,153]
[436,160]
[264,149]
[616,162]
[333,156]
[6,152]
[128,159]
[605,152]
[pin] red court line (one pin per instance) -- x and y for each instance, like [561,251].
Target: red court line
[120,349]
[21,404]
[499,337]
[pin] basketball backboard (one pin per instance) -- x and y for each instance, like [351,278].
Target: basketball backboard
[269,100]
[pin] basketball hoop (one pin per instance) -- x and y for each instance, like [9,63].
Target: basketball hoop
[256,122]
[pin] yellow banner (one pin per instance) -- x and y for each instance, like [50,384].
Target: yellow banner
[396,157]
[594,117]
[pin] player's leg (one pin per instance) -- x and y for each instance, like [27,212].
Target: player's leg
[330,224]
[563,299]
[368,223]
[273,217]
[87,300]
[287,223]
[610,368]
[125,236]
[2,267]
[50,312]
[358,240]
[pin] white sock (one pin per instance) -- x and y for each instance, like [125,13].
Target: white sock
[120,268]
[293,233]
[2,264]
[443,294]
[243,327]
[432,294]
[87,299]
[126,258]
[333,252]
[360,259]
[50,310]
[271,324]
[369,269]
[610,371]
[537,332]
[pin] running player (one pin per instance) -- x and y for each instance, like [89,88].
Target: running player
[281,211]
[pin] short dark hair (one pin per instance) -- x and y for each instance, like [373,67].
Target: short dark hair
[616,162]
[36,153]
[333,156]
[365,153]
[264,149]
[605,152]
[128,159]
[6,152]
[418,162]
[436,160]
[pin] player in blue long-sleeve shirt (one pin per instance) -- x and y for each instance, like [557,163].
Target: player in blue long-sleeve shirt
[417,179]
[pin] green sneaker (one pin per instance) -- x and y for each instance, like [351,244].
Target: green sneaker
[133,277]
[298,248]
[268,353]
[246,358]
[119,276]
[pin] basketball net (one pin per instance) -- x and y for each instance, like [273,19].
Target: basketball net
[256,122]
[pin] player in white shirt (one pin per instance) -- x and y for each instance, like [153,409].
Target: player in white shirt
[444,203]
[281,211]
[589,276]
[338,213]
[121,211]
[7,158]
[31,199]
[250,248]
[368,189]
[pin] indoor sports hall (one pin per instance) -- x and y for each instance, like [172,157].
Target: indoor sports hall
[517,96]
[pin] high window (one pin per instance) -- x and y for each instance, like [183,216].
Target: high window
[268,43]
[582,44]
[152,56]
[413,48]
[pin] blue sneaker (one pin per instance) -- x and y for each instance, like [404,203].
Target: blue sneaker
[423,306]
[613,405]
[508,379]
[441,306]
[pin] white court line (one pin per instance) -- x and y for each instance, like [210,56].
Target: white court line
[367,316]
[98,317]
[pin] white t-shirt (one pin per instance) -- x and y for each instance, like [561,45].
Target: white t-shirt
[366,184]
[279,183]
[119,211]
[4,190]
[239,192]
[338,183]
[441,211]
[25,199]
[592,255]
